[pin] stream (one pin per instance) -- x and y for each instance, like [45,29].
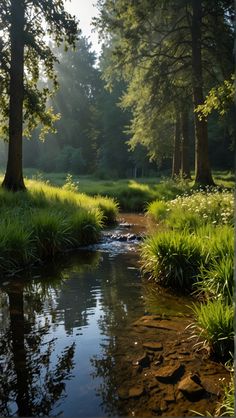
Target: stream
[67,327]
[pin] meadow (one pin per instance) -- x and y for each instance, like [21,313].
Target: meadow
[132,195]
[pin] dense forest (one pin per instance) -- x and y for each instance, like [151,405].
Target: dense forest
[140,108]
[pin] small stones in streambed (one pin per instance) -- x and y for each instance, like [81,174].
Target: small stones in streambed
[170,374]
[143,361]
[191,387]
[153,346]
[133,392]
[136,391]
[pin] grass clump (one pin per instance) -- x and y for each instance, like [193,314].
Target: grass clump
[173,259]
[226,407]
[214,325]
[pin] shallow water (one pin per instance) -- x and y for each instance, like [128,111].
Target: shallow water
[59,329]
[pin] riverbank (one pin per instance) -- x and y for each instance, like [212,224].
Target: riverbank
[133,195]
[45,220]
[194,254]
[162,373]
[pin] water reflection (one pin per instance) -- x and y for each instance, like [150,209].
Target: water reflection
[62,336]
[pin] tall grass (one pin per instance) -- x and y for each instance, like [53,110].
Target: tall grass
[173,259]
[46,220]
[214,326]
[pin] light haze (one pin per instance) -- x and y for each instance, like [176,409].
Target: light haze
[85,10]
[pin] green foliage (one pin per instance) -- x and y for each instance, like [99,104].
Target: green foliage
[219,99]
[214,326]
[173,259]
[71,185]
[158,210]
[217,279]
[45,221]
[43,18]
[226,407]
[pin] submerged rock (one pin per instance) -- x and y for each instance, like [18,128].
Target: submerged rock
[170,374]
[190,387]
[153,346]
[136,391]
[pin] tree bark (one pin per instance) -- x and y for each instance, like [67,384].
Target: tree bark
[14,174]
[202,166]
[185,168]
[176,164]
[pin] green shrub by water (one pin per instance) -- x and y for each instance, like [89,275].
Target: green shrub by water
[45,220]
[214,326]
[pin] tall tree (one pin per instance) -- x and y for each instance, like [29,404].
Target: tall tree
[169,42]
[26,23]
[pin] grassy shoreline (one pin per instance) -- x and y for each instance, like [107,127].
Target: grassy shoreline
[193,252]
[46,220]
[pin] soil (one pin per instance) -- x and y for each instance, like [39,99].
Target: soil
[162,373]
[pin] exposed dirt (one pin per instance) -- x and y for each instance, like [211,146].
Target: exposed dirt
[160,372]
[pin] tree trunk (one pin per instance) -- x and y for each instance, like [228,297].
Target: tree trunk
[14,174]
[17,326]
[185,169]
[176,164]
[202,166]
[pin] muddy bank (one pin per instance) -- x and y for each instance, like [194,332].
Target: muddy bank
[159,372]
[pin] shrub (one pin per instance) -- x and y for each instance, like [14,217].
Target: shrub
[214,326]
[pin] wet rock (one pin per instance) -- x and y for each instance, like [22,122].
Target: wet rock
[123,393]
[210,386]
[137,369]
[153,346]
[136,391]
[143,361]
[170,374]
[125,225]
[163,406]
[158,360]
[131,237]
[169,395]
[191,388]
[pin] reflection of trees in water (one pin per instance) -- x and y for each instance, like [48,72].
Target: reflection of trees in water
[32,376]
[28,378]
[121,305]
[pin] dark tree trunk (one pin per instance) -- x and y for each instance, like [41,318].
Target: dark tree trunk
[185,168]
[202,165]
[17,326]
[176,164]
[14,174]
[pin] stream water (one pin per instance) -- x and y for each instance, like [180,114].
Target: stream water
[59,329]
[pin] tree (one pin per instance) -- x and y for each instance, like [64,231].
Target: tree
[169,43]
[26,23]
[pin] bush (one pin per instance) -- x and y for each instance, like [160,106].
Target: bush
[214,326]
